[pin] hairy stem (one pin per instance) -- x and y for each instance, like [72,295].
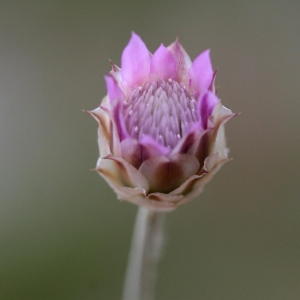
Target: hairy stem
[144,255]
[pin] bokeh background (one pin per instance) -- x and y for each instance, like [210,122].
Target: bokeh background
[63,234]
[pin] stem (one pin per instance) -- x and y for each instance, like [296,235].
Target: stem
[144,255]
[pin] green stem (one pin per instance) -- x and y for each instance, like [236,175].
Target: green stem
[144,255]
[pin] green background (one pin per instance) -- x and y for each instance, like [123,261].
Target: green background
[63,234]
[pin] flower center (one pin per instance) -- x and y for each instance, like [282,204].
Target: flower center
[164,110]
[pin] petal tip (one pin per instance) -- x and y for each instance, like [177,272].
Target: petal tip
[201,72]
[163,64]
[135,62]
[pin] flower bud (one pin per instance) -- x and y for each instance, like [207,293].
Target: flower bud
[161,126]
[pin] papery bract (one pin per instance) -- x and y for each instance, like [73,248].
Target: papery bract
[161,126]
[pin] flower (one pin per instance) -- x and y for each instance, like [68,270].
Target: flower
[161,126]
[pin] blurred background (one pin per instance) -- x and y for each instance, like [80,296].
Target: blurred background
[63,233]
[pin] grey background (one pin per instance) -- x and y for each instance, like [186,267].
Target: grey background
[63,234]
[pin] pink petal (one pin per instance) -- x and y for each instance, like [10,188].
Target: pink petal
[164,174]
[201,73]
[163,65]
[182,59]
[119,120]
[189,139]
[135,63]
[113,89]
[154,146]
[206,105]
[184,144]
[212,87]
[195,143]
[115,73]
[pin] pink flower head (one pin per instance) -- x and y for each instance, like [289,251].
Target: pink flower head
[161,126]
